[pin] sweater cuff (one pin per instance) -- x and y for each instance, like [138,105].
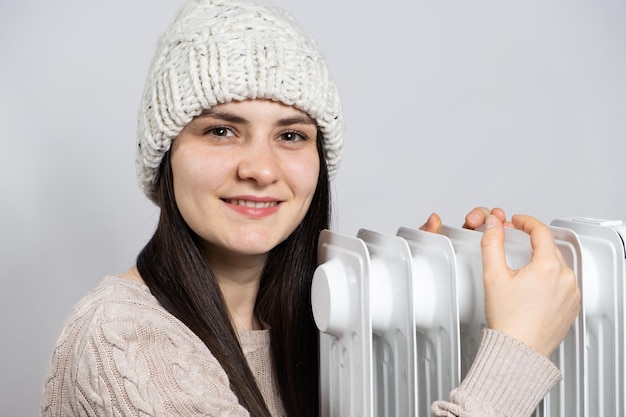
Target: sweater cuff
[509,375]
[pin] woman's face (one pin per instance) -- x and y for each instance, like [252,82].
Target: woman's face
[244,175]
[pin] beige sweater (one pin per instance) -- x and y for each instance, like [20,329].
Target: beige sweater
[121,354]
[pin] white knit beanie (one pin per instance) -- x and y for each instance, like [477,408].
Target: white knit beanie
[218,51]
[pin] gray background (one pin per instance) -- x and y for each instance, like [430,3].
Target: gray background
[448,105]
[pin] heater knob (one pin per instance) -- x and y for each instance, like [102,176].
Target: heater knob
[330,298]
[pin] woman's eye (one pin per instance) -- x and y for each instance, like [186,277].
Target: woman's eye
[292,136]
[219,131]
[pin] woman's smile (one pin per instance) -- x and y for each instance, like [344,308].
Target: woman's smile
[253,207]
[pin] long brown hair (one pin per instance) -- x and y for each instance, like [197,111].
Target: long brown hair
[181,279]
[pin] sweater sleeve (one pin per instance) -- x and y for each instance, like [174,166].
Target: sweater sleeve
[129,358]
[507,378]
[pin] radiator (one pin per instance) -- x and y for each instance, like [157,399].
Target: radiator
[400,318]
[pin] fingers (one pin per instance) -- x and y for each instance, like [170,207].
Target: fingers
[541,239]
[478,215]
[476,218]
[492,247]
[499,213]
[432,224]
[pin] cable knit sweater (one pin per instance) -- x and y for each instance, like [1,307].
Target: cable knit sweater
[121,354]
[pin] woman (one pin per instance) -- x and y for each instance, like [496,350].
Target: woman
[240,131]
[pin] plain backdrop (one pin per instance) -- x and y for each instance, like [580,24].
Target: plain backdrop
[448,105]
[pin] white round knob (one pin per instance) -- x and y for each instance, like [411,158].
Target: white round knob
[330,298]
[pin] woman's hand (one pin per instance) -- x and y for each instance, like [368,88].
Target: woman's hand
[537,303]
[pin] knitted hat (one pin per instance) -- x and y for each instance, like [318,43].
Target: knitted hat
[217,51]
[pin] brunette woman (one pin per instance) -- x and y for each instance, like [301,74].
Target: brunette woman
[240,132]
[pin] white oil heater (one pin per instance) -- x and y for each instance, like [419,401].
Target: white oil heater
[400,318]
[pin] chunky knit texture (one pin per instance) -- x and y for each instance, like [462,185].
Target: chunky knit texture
[121,354]
[218,51]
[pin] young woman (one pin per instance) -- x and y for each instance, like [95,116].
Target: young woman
[240,132]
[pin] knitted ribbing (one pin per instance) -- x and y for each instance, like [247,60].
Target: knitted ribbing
[507,378]
[121,353]
[218,51]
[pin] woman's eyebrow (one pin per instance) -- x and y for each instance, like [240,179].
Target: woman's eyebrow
[233,118]
[296,120]
[226,116]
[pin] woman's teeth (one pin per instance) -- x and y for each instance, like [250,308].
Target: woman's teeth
[252,204]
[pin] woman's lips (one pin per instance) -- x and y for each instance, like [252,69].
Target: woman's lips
[252,204]
[253,208]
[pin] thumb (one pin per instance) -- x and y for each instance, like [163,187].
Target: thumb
[492,245]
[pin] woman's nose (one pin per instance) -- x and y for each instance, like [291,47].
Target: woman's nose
[259,163]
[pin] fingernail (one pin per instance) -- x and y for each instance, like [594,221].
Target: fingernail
[490,222]
[473,217]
